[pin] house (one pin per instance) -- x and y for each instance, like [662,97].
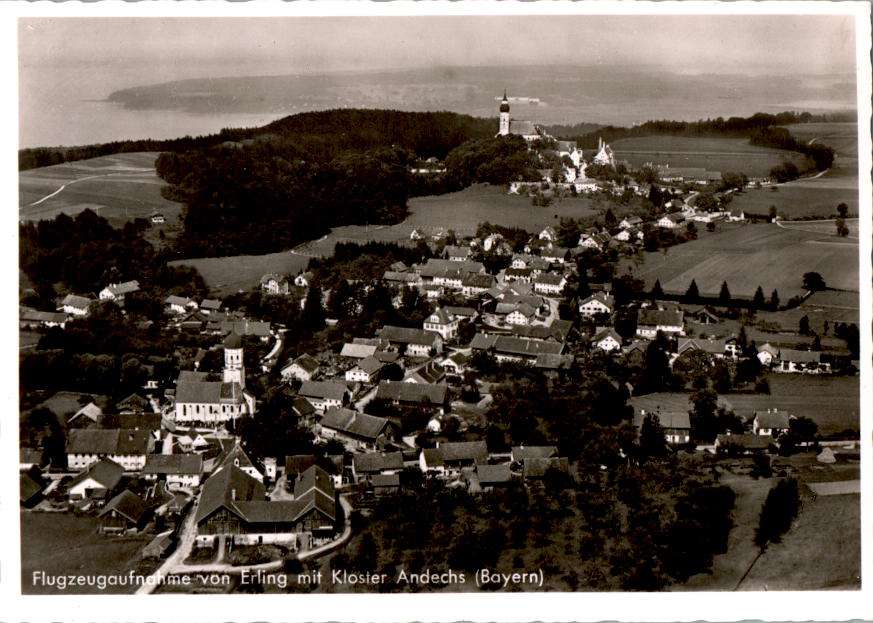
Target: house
[209,306]
[178,304]
[552,364]
[178,470]
[767,354]
[491,476]
[431,372]
[712,347]
[457,254]
[700,314]
[127,447]
[520,453]
[771,422]
[31,318]
[75,305]
[303,279]
[736,215]
[607,340]
[433,396]
[116,292]
[537,468]
[597,303]
[133,404]
[442,322]
[102,476]
[366,466]
[30,488]
[29,458]
[158,546]
[355,430]
[548,233]
[462,313]
[418,342]
[675,424]
[456,363]
[475,283]
[801,361]
[449,457]
[650,321]
[234,504]
[523,314]
[358,351]
[742,444]
[246,328]
[524,275]
[325,394]
[89,412]
[236,456]
[435,267]
[549,284]
[402,278]
[366,371]
[508,348]
[158,219]
[555,255]
[303,368]
[271,283]
[672,411]
[125,512]
[385,484]
[671,221]
[630,221]
[635,352]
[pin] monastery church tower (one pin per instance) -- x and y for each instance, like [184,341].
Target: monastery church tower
[234,371]
[504,116]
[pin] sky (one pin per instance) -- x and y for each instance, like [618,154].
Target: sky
[759,44]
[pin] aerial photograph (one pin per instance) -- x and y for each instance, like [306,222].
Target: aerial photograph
[439,304]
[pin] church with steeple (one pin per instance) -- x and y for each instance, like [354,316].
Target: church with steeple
[203,401]
[526,129]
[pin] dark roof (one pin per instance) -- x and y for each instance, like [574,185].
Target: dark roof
[464,450]
[28,486]
[299,463]
[220,489]
[772,419]
[548,361]
[354,423]
[323,389]
[127,504]
[200,392]
[746,440]
[303,407]
[659,317]
[520,453]
[799,356]
[146,421]
[108,441]
[377,461]
[107,473]
[173,464]
[489,474]
[422,393]
[385,480]
[538,467]
[358,351]
[134,401]
[405,335]
[516,345]
[233,340]
[308,363]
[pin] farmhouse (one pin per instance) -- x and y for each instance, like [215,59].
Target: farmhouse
[358,351]
[209,306]
[802,362]
[325,394]
[607,340]
[127,447]
[431,372]
[355,430]
[178,470]
[715,348]
[450,457]
[366,466]
[75,305]
[442,322]
[366,371]
[179,304]
[741,444]
[597,303]
[491,476]
[523,314]
[521,453]
[126,511]
[271,283]
[434,396]
[508,348]
[99,480]
[303,368]
[549,284]
[475,283]
[650,321]
[536,468]
[418,342]
[676,424]
[671,221]
[31,318]
[116,292]
[771,422]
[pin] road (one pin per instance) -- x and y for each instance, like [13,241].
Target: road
[183,549]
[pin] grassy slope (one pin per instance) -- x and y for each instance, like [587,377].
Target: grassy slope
[60,543]
[227,275]
[752,255]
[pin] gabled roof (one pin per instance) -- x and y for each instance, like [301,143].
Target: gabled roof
[539,467]
[772,419]
[273,277]
[211,304]
[405,335]
[600,297]
[435,266]
[606,333]
[307,363]
[714,347]
[123,288]
[430,372]
[354,423]
[227,487]
[237,457]
[456,311]
[175,464]
[177,300]
[377,462]
[370,365]
[198,392]
[440,316]
[453,251]
[135,402]
[746,441]
[107,473]
[108,441]
[515,345]
[520,453]
[78,302]
[391,275]
[385,480]
[551,279]
[358,351]
[493,474]
[127,504]
[799,356]
[332,390]
[476,280]
[420,393]
[660,317]
[464,451]
[548,361]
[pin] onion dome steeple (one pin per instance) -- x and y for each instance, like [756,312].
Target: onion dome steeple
[504,105]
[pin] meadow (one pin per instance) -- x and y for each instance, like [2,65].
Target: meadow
[120,188]
[63,544]
[826,227]
[714,154]
[747,256]
[228,275]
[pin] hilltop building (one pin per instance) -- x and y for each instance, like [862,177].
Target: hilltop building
[526,129]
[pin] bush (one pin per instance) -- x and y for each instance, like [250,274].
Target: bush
[254,555]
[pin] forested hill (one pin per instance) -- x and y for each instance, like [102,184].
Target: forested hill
[427,134]
[291,181]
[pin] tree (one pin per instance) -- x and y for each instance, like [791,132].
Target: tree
[657,292]
[813,282]
[692,294]
[653,443]
[843,210]
[842,230]
[779,510]
[312,318]
[691,230]
[774,300]
[772,214]
[803,327]
[703,422]
[724,296]
[758,299]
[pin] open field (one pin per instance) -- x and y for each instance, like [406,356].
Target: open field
[827,227]
[714,154]
[834,403]
[842,137]
[63,544]
[752,255]
[821,551]
[119,187]
[227,275]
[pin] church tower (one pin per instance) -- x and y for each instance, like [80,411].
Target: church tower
[234,371]
[504,116]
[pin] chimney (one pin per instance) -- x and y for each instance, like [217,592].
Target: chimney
[233,494]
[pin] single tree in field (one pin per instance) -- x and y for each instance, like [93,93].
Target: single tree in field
[758,299]
[657,292]
[813,282]
[842,230]
[803,328]
[772,214]
[774,300]
[692,293]
[779,510]
[816,344]
[724,296]
[843,210]
[826,327]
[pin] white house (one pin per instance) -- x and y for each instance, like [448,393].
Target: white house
[325,394]
[772,422]
[75,305]
[597,303]
[179,304]
[271,283]
[366,371]
[442,322]
[127,447]
[522,315]
[549,284]
[115,292]
[671,221]
[303,368]
[179,470]
[650,321]
[607,340]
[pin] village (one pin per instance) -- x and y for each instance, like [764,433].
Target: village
[410,404]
